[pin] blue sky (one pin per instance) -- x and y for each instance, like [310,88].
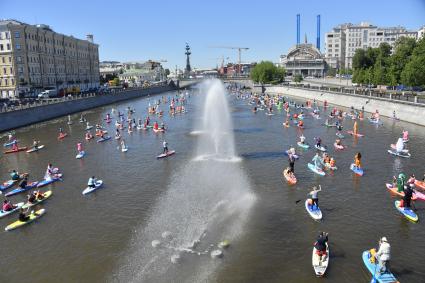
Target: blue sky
[141,30]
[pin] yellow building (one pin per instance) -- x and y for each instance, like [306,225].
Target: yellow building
[34,57]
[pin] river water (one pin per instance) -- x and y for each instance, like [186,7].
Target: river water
[98,238]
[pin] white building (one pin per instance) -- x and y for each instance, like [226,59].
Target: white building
[343,41]
[303,59]
[421,32]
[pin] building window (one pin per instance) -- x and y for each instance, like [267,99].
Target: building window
[19,59]
[20,70]
[17,34]
[10,59]
[5,81]
[8,46]
[4,71]
[1,47]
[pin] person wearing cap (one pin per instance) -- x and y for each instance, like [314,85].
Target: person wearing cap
[320,245]
[383,255]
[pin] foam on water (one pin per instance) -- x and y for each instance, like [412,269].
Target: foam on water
[205,203]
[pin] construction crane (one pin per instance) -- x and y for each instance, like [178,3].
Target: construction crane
[240,49]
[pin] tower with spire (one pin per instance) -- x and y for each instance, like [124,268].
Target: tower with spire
[188,68]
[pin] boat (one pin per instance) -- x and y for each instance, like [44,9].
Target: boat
[15,150]
[303,145]
[393,189]
[315,213]
[373,268]
[20,190]
[33,216]
[17,207]
[164,155]
[98,185]
[33,149]
[357,170]
[316,170]
[320,264]
[80,154]
[400,154]
[407,212]
[291,179]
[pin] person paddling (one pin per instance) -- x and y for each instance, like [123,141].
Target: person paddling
[320,245]
[314,197]
[291,159]
[383,255]
[355,128]
[165,147]
[23,183]
[35,144]
[79,147]
[317,161]
[7,205]
[92,182]
[357,160]
[23,215]
[401,182]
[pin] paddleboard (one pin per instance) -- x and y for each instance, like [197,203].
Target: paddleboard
[80,154]
[321,148]
[33,216]
[291,180]
[10,143]
[47,182]
[16,150]
[8,184]
[374,270]
[320,266]
[393,189]
[20,190]
[358,171]
[355,135]
[269,114]
[88,190]
[339,147]
[420,184]
[316,170]
[46,196]
[62,136]
[400,154]
[164,155]
[89,128]
[103,139]
[17,207]
[341,136]
[303,145]
[125,149]
[35,149]
[407,212]
[315,213]
[158,130]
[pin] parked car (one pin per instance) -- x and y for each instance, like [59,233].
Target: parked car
[48,93]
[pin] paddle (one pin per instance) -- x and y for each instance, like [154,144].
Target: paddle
[373,280]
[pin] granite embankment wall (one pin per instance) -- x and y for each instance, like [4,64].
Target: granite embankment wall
[405,111]
[20,118]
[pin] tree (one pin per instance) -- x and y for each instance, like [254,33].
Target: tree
[403,50]
[167,72]
[298,78]
[267,72]
[413,73]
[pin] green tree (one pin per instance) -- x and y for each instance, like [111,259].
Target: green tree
[267,72]
[413,73]
[403,50]
[298,78]
[167,72]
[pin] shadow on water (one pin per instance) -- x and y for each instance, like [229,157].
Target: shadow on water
[263,155]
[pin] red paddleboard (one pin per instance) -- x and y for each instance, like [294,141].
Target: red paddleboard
[394,190]
[420,184]
[16,150]
[291,180]
[61,136]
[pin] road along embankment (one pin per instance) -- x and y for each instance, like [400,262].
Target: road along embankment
[405,111]
[20,118]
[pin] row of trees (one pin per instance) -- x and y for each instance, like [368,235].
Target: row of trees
[379,67]
[266,72]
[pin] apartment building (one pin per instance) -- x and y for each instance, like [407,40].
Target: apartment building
[343,41]
[34,57]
